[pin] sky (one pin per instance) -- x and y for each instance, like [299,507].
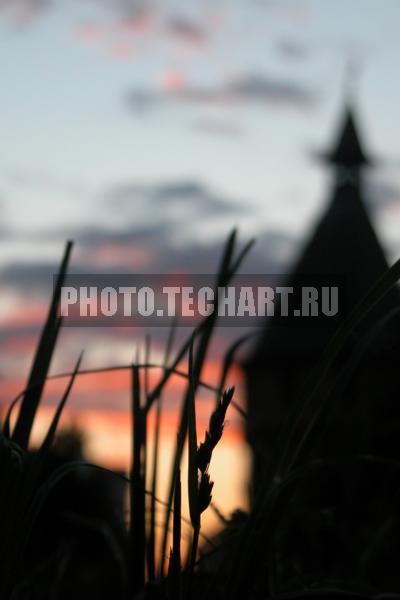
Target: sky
[145,131]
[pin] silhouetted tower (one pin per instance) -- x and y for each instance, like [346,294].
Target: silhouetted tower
[343,244]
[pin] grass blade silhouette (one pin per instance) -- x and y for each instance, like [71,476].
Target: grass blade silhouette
[137,487]
[42,360]
[205,332]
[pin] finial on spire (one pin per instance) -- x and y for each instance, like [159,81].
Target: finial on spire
[352,73]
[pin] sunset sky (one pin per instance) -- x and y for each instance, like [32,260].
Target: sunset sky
[145,131]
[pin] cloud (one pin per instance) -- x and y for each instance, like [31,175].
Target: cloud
[129,32]
[186,30]
[36,275]
[90,255]
[172,80]
[147,227]
[292,50]
[172,201]
[142,234]
[248,89]
[125,8]
[259,88]
[23,12]
[105,250]
[218,127]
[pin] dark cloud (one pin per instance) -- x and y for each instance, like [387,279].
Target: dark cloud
[186,30]
[292,50]
[267,256]
[144,100]
[259,88]
[94,236]
[23,12]
[123,7]
[35,276]
[148,215]
[160,228]
[168,199]
[251,88]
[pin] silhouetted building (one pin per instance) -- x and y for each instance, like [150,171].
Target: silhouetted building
[344,244]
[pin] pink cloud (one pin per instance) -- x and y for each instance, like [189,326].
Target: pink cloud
[119,254]
[23,12]
[172,81]
[18,344]
[24,315]
[90,32]
[141,22]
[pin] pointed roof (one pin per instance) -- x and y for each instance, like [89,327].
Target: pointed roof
[344,244]
[348,150]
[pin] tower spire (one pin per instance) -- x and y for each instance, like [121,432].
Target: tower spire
[348,151]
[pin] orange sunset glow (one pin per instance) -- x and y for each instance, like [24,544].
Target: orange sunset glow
[99,406]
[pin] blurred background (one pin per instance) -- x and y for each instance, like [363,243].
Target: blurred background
[145,131]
